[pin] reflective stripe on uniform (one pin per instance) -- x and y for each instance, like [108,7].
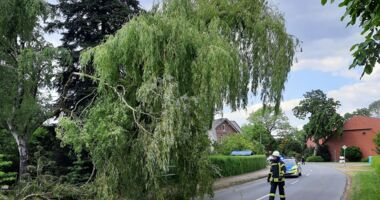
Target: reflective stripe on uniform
[282,196]
[272,194]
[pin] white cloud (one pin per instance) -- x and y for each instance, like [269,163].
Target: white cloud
[360,94]
[330,55]
[351,97]
[240,116]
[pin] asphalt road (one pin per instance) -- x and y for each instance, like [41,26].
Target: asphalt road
[318,182]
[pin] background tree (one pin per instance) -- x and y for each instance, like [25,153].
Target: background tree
[374,108]
[84,24]
[161,79]
[258,133]
[376,140]
[274,122]
[238,142]
[26,63]
[289,146]
[324,121]
[366,14]
[360,112]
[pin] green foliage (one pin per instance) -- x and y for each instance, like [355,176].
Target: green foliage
[324,121]
[236,165]
[367,15]
[374,108]
[376,140]
[308,152]
[27,65]
[84,24]
[40,183]
[359,112]
[272,120]
[314,159]
[80,172]
[238,142]
[376,163]
[258,133]
[6,177]
[289,146]
[161,79]
[19,19]
[8,147]
[364,160]
[324,152]
[353,154]
[80,30]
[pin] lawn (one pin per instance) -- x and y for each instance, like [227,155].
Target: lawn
[365,186]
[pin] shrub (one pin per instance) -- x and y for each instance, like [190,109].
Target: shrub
[238,142]
[364,159]
[308,152]
[235,165]
[376,163]
[314,159]
[324,152]
[353,153]
[6,177]
[376,140]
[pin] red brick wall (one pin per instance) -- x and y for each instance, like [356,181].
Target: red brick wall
[358,131]
[222,132]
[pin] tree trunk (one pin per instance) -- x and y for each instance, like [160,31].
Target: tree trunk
[22,146]
[316,149]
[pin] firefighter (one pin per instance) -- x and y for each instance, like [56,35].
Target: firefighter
[276,176]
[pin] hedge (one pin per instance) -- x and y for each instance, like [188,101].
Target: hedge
[314,159]
[376,163]
[235,165]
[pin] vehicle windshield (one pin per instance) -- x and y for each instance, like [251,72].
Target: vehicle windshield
[290,162]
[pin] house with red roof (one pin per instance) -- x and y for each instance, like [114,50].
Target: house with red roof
[222,127]
[357,131]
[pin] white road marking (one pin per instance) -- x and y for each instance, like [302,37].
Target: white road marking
[263,197]
[294,182]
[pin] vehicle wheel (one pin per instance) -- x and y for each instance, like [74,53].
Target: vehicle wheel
[300,174]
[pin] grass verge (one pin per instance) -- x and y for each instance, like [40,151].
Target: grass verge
[365,185]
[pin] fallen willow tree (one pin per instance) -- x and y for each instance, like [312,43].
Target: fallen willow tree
[161,79]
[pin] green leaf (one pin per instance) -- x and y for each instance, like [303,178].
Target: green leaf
[353,47]
[323,2]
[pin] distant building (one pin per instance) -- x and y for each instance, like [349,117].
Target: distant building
[357,131]
[221,128]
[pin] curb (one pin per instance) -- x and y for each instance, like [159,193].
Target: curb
[239,182]
[223,183]
[347,187]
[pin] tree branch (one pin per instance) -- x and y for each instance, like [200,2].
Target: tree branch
[121,98]
[36,195]
[92,173]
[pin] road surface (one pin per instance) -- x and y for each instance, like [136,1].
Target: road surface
[318,181]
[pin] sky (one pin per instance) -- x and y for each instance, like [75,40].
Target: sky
[322,64]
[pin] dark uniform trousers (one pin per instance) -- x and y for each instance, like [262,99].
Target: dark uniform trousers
[276,179]
[273,188]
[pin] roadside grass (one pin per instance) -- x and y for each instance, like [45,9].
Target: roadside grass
[365,184]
